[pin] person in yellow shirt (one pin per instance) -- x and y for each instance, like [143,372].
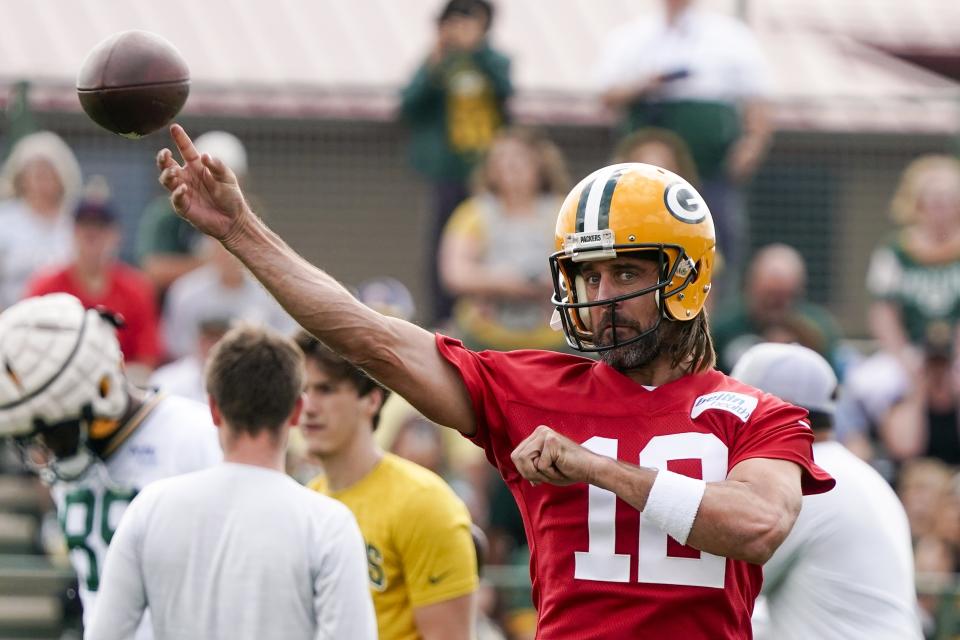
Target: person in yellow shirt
[420,553]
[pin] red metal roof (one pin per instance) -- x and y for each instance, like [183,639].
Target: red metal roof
[348,58]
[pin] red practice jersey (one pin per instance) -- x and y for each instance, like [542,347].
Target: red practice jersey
[600,571]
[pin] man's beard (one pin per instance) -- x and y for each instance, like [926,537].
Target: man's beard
[636,354]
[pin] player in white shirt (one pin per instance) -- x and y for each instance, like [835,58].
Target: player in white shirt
[94,437]
[240,550]
[845,571]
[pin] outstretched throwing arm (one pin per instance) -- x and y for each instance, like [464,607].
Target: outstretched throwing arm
[399,354]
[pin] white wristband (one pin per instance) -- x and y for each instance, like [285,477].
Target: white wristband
[673,503]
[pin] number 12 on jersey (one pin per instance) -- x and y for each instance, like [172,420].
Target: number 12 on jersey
[654,565]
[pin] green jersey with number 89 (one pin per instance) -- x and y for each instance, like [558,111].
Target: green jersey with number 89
[172,436]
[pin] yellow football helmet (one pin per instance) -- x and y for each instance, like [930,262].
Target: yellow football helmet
[628,208]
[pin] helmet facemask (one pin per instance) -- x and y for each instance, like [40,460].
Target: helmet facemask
[676,273]
[60,451]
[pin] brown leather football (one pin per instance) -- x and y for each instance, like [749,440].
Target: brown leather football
[133,83]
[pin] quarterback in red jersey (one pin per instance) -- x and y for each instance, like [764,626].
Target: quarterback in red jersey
[651,486]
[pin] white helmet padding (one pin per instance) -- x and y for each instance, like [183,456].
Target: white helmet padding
[58,362]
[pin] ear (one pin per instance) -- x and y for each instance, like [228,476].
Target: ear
[214,411]
[374,401]
[294,419]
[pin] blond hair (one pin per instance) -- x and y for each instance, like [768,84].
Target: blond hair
[905,202]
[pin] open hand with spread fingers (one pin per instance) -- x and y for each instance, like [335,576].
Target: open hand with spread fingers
[547,456]
[203,190]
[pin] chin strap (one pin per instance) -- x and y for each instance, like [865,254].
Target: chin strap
[130,425]
[556,323]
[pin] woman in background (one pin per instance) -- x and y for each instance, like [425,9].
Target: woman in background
[492,253]
[39,187]
[914,277]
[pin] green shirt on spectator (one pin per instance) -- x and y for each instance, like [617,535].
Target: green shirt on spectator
[162,231]
[924,292]
[455,108]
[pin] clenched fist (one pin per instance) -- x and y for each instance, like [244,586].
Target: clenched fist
[547,456]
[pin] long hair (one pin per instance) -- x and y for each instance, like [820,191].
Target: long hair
[691,346]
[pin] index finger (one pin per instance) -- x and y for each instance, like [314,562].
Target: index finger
[184,144]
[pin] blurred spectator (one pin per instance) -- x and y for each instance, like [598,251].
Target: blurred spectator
[857,534]
[904,396]
[491,254]
[871,387]
[99,279]
[948,515]
[936,569]
[419,441]
[221,289]
[404,431]
[931,496]
[486,628]
[507,535]
[773,308]
[167,245]
[923,485]
[702,75]
[914,277]
[40,185]
[947,524]
[454,103]
[659,147]
[388,296]
[926,420]
[184,377]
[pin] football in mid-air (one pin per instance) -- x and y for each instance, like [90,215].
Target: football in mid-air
[133,83]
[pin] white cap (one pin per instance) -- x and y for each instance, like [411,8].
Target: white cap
[226,147]
[799,375]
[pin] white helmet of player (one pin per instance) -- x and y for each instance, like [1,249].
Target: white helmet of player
[61,382]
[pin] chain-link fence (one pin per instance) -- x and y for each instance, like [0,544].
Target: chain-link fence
[342,193]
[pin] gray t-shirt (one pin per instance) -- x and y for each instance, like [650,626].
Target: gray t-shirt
[234,552]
